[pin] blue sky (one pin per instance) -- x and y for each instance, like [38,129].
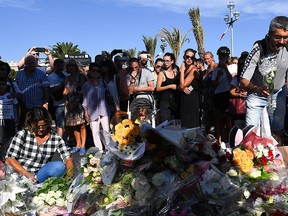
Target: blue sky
[96,25]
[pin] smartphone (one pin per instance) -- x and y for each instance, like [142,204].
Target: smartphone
[190,88]
[40,49]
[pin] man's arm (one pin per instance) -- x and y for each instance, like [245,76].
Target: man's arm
[250,87]
[21,62]
[51,61]
[148,88]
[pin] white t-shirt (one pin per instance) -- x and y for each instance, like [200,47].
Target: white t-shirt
[7,106]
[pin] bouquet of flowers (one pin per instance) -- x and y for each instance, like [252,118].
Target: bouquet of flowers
[53,192]
[91,169]
[268,68]
[126,141]
[257,156]
[13,192]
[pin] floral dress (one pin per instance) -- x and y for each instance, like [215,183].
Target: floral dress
[74,112]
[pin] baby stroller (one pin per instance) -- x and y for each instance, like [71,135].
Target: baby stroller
[142,101]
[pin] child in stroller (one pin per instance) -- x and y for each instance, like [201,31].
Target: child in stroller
[143,109]
[142,117]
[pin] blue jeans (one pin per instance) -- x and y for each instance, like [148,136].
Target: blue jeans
[51,169]
[256,104]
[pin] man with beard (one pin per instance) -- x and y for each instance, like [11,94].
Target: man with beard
[264,76]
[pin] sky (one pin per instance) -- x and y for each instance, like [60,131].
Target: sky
[103,25]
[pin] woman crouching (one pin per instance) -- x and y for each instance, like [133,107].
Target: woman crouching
[32,149]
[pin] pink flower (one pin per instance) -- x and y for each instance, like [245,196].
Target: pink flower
[2,174]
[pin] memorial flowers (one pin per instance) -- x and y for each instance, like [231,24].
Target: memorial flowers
[126,133]
[126,142]
[91,170]
[257,156]
[52,192]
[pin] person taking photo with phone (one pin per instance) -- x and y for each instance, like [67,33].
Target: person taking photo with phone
[35,51]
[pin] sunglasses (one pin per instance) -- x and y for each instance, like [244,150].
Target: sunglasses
[189,57]
[44,127]
[158,66]
[166,60]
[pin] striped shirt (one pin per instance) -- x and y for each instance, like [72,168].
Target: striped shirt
[32,87]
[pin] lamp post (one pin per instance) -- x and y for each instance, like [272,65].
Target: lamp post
[229,20]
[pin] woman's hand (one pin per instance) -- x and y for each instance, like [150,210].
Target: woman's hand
[87,118]
[173,86]
[182,67]
[32,178]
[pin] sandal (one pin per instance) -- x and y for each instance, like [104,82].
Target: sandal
[74,150]
[82,151]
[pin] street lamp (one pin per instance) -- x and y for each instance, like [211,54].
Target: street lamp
[234,15]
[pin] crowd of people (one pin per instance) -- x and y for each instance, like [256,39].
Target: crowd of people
[80,100]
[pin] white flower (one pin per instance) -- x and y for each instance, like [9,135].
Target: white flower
[58,194]
[255,174]
[258,201]
[42,195]
[38,201]
[273,176]
[51,201]
[60,202]
[246,194]
[232,172]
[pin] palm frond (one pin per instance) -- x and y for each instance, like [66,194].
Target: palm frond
[175,39]
[194,15]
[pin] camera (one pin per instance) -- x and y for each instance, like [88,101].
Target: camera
[40,49]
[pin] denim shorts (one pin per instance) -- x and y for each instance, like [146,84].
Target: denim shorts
[59,116]
[51,169]
[256,104]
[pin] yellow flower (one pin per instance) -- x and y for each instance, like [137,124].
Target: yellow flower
[243,159]
[125,132]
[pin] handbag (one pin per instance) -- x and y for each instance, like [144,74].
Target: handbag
[237,106]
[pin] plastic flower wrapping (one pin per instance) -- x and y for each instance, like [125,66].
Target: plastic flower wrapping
[198,177]
[257,157]
[126,141]
[15,194]
[268,69]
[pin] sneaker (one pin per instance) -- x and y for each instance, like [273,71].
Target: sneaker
[74,149]
[82,151]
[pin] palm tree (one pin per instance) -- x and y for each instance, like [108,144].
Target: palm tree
[194,15]
[150,44]
[60,49]
[132,52]
[174,39]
